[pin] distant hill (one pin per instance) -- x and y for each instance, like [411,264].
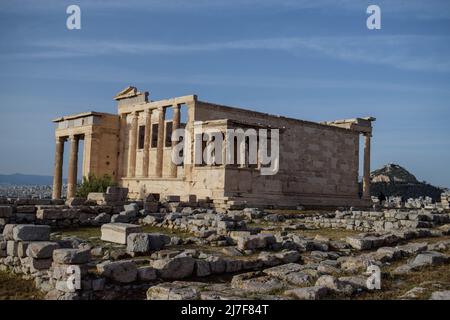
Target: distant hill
[394,180]
[25,179]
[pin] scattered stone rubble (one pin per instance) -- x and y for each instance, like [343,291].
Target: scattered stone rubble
[395,202]
[379,220]
[445,200]
[261,255]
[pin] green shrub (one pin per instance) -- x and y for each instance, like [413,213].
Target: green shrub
[94,184]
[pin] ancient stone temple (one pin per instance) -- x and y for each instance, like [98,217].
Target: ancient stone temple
[318,162]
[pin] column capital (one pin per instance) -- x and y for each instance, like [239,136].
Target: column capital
[148,112]
[74,137]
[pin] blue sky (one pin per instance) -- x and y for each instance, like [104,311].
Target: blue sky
[312,60]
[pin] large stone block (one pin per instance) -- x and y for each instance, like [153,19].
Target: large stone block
[98,197]
[37,264]
[158,241]
[138,243]
[308,293]
[253,282]
[102,218]
[41,250]
[359,242]
[440,295]
[49,214]
[236,235]
[62,271]
[175,268]
[71,256]
[147,274]
[8,231]
[132,207]
[119,193]
[11,248]
[5,211]
[232,265]
[202,268]
[177,290]
[120,271]
[120,218]
[75,202]
[151,206]
[113,194]
[29,232]
[25,218]
[22,249]
[429,258]
[26,209]
[118,232]
[145,242]
[259,241]
[217,264]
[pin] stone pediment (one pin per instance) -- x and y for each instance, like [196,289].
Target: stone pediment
[131,95]
[128,92]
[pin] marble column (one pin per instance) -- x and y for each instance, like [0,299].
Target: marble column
[57,176]
[175,126]
[147,137]
[132,145]
[73,167]
[366,177]
[160,145]
[242,153]
[121,160]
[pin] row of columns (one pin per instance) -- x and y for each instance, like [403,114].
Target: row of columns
[133,142]
[73,167]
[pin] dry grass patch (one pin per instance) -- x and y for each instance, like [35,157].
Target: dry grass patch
[430,240]
[432,278]
[166,231]
[84,233]
[13,287]
[393,286]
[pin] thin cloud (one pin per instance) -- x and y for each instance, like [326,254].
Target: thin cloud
[118,75]
[406,52]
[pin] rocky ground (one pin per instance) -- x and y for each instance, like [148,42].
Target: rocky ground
[184,252]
